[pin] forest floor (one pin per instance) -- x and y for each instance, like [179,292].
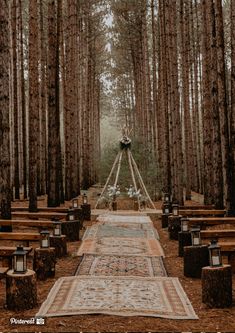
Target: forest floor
[210,320]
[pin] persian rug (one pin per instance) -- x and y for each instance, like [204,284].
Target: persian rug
[124,218]
[100,231]
[121,246]
[107,265]
[128,296]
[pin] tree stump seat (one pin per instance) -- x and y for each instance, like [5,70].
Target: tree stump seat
[164,218]
[217,286]
[71,230]
[86,210]
[21,290]
[184,239]
[44,262]
[60,245]
[174,226]
[195,258]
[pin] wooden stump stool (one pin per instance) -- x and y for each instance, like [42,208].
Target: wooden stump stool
[184,239]
[174,226]
[217,286]
[21,290]
[86,209]
[60,245]
[195,258]
[71,230]
[44,262]
[165,220]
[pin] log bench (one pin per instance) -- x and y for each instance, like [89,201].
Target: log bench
[203,222]
[41,209]
[6,254]
[168,219]
[40,215]
[69,228]
[58,242]
[3,272]
[197,207]
[215,234]
[202,212]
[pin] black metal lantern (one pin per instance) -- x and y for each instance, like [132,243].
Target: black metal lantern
[175,209]
[71,216]
[84,199]
[166,197]
[20,260]
[75,203]
[215,254]
[57,228]
[166,208]
[184,224]
[195,235]
[45,239]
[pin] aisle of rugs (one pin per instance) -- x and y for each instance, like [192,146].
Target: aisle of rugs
[121,273]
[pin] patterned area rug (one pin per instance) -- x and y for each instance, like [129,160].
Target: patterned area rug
[121,246]
[156,297]
[100,231]
[121,266]
[122,218]
[129,225]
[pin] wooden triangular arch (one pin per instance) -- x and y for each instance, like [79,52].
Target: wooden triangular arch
[125,146]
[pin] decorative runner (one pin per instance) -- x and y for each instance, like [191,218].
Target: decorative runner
[129,225]
[121,266]
[100,231]
[156,297]
[121,246]
[123,218]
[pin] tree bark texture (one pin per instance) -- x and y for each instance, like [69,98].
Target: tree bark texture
[217,286]
[5,184]
[21,291]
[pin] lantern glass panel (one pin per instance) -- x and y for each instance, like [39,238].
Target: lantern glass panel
[19,260]
[57,229]
[75,203]
[45,239]
[166,210]
[175,210]
[215,257]
[196,239]
[19,264]
[166,197]
[184,225]
[215,254]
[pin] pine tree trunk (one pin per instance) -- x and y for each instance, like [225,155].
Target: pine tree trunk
[223,108]
[232,126]
[217,157]
[33,104]
[23,104]
[5,185]
[15,101]
[54,149]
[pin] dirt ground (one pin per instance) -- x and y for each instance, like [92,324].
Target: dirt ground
[210,320]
